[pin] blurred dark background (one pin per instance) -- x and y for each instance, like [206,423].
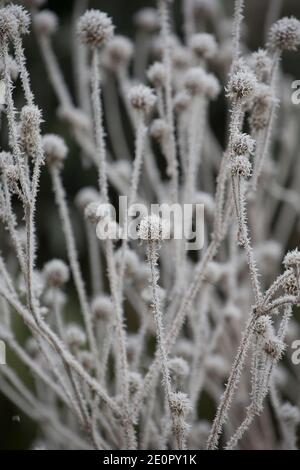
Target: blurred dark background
[16,430]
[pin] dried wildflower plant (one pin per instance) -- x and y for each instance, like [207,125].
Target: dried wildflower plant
[221,316]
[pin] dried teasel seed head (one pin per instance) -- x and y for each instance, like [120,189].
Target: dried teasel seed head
[240,166]
[180,404]
[102,308]
[86,196]
[75,336]
[204,45]
[243,144]
[147,20]
[263,326]
[152,228]
[274,348]
[56,273]
[263,101]
[285,34]
[157,74]
[142,98]
[55,149]
[95,28]
[292,259]
[45,22]
[241,86]
[290,285]
[30,121]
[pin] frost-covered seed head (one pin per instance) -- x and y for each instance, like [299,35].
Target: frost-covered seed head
[45,22]
[13,68]
[142,98]
[75,336]
[285,34]
[157,74]
[195,81]
[22,18]
[55,149]
[180,404]
[243,144]
[30,122]
[179,368]
[292,259]
[213,87]
[181,57]
[182,101]
[241,85]
[56,273]
[74,117]
[147,20]
[123,168]
[159,130]
[151,228]
[102,308]
[95,28]
[261,63]
[263,326]
[86,196]
[204,45]
[263,101]
[91,212]
[274,348]
[6,159]
[119,51]
[290,285]
[8,24]
[240,166]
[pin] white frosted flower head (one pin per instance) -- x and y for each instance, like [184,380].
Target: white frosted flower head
[56,273]
[30,121]
[179,368]
[75,336]
[195,81]
[181,57]
[45,22]
[159,130]
[204,45]
[152,228]
[241,166]
[102,308]
[242,85]
[263,326]
[147,20]
[95,28]
[86,196]
[292,259]
[274,348]
[285,34]
[22,18]
[243,144]
[119,51]
[142,98]
[180,404]
[55,149]
[157,74]
[182,101]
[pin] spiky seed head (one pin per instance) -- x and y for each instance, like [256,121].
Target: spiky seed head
[45,22]
[181,58]
[261,63]
[243,144]
[290,285]
[142,98]
[157,74]
[95,28]
[22,18]
[151,228]
[285,34]
[159,130]
[8,24]
[75,336]
[195,81]
[274,348]
[213,86]
[102,308]
[55,149]
[180,404]
[262,103]
[182,101]
[241,85]
[86,196]
[119,51]
[241,166]
[6,159]
[56,273]
[30,121]
[91,212]
[292,259]
[263,326]
[204,45]
[147,20]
